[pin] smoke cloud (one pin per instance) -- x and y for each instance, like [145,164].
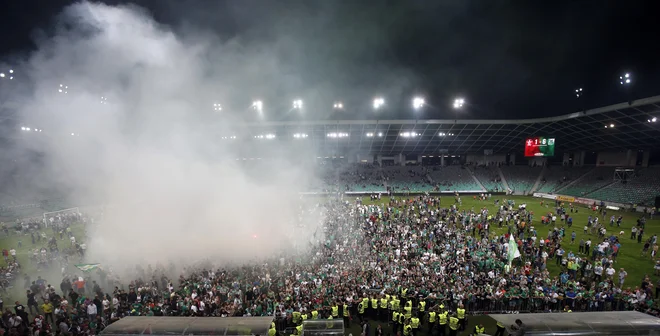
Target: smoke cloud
[125,106]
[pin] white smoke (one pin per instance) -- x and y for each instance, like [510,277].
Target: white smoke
[152,146]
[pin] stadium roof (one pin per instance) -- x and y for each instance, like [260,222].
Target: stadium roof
[613,128]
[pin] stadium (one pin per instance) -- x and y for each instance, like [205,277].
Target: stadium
[213,189]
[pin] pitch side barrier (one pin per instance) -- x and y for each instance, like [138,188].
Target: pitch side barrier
[401,193]
[587,201]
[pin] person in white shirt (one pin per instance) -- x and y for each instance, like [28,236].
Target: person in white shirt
[610,272]
[91,311]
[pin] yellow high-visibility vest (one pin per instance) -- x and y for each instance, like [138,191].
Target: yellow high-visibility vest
[443,318]
[335,311]
[408,311]
[500,325]
[432,317]
[272,332]
[296,317]
[361,308]
[383,303]
[407,329]
[461,313]
[453,323]
[303,316]
[395,316]
[374,303]
[346,312]
[329,324]
[315,314]
[478,330]
[299,329]
[422,306]
[414,322]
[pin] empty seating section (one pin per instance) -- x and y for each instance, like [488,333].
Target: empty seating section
[642,188]
[595,179]
[407,178]
[521,179]
[361,177]
[556,177]
[452,178]
[489,177]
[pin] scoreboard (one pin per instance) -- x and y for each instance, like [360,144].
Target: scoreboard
[539,146]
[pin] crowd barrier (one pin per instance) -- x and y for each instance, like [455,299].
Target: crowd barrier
[586,201]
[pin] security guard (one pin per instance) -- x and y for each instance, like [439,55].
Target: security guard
[453,325]
[402,321]
[330,324]
[361,311]
[408,309]
[374,308]
[500,329]
[383,309]
[346,315]
[296,317]
[414,322]
[335,311]
[460,312]
[315,314]
[304,316]
[299,330]
[432,318]
[365,306]
[421,308]
[479,329]
[442,323]
[395,321]
[407,328]
[272,331]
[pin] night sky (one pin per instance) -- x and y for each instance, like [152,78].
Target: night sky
[509,59]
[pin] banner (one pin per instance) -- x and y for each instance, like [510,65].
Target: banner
[569,199]
[88,267]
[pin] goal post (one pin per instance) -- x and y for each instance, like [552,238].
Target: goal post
[52,217]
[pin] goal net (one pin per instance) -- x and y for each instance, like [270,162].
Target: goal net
[62,216]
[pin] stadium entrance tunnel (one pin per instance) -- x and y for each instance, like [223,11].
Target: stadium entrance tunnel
[323,327]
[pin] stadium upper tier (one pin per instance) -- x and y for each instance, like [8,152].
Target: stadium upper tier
[585,130]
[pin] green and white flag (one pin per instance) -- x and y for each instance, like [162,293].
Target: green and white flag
[513,252]
[88,267]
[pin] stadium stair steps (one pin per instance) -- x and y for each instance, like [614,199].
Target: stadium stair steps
[558,191]
[538,180]
[599,188]
[504,182]
[476,180]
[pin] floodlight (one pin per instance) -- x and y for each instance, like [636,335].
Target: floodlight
[11,71]
[298,104]
[654,119]
[611,125]
[378,103]
[258,105]
[2,75]
[380,134]
[217,107]
[418,102]
[458,103]
[338,106]
[625,79]
[370,135]
[578,92]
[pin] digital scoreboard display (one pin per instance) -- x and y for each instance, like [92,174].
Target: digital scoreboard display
[540,146]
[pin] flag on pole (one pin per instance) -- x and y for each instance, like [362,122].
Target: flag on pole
[513,252]
[88,267]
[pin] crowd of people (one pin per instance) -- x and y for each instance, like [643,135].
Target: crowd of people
[418,264]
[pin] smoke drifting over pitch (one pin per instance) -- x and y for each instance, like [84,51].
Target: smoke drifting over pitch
[151,147]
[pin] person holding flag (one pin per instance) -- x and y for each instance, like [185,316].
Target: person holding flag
[512,252]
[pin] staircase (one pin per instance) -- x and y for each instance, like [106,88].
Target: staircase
[504,182]
[538,180]
[558,191]
[476,179]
